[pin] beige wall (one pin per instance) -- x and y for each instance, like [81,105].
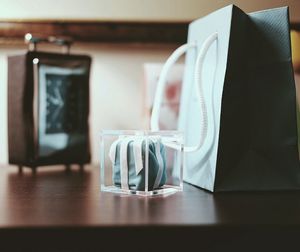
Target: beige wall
[132,9]
[116,87]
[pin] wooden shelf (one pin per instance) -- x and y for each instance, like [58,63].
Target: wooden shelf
[64,210]
[100,31]
[13,31]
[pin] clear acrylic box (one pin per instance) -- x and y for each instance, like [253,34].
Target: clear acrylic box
[140,162]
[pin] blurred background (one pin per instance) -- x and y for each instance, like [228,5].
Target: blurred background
[128,41]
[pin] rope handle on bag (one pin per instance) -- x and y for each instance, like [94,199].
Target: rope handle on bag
[137,141]
[199,90]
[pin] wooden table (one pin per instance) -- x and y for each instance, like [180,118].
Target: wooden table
[60,210]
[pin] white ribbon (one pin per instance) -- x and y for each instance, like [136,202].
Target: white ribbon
[138,154]
[124,163]
[112,151]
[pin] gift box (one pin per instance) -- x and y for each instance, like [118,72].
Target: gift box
[141,162]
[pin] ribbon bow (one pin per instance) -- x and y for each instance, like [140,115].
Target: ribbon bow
[137,145]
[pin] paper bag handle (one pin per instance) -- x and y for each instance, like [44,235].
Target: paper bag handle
[197,81]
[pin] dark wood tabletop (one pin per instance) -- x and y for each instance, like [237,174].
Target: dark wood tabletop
[64,210]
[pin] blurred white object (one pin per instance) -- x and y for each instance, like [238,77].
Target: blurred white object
[170,103]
